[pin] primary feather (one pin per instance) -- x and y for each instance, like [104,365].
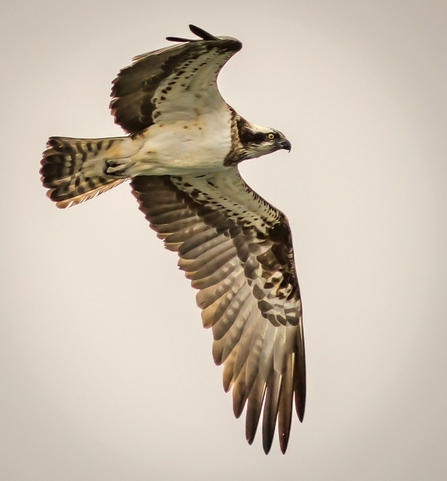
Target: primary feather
[181,156]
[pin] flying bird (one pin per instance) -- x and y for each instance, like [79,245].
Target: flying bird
[181,155]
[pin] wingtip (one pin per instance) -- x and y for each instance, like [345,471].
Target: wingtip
[199,32]
[300,401]
[178,39]
[203,34]
[267,442]
[300,405]
[283,443]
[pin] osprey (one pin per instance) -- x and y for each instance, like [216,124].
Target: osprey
[181,156]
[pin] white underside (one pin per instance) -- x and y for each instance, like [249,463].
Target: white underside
[177,148]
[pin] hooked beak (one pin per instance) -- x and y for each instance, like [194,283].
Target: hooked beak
[285,144]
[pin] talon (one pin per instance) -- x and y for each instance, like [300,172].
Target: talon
[116,167]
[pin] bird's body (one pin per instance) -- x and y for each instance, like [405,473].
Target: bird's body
[181,155]
[185,145]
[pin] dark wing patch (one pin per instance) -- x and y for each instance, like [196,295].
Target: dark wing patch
[262,353]
[266,253]
[179,79]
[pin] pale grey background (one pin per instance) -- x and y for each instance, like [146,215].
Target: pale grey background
[105,370]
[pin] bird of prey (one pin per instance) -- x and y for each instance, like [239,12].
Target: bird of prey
[181,155]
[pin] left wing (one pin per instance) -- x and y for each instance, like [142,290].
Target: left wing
[237,250]
[172,83]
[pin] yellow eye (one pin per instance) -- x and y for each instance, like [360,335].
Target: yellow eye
[270,136]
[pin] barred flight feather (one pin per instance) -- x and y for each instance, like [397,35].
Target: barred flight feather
[181,155]
[257,336]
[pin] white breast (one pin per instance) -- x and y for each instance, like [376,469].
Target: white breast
[186,146]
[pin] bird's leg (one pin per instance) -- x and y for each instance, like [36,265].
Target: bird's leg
[117,167]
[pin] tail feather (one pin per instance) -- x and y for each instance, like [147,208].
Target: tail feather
[74,169]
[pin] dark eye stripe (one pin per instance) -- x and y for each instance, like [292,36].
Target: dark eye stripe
[258,137]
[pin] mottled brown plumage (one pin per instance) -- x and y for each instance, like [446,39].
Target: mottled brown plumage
[181,156]
[231,258]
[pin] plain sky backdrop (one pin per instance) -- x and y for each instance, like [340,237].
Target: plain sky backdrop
[105,370]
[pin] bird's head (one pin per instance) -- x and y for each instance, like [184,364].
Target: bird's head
[257,141]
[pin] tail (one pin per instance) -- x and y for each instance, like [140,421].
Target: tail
[74,170]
